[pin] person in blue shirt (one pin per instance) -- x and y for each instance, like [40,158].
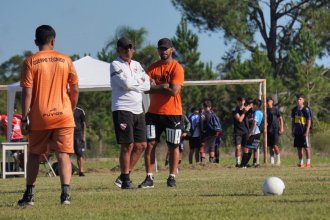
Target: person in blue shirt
[301,124]
[254,133]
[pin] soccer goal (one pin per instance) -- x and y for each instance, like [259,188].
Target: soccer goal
[262,96]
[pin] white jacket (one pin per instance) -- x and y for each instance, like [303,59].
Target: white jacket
[128,82]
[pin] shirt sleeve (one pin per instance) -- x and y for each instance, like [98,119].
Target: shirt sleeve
[26,74]
[73,76]
[139,82]
[177,75]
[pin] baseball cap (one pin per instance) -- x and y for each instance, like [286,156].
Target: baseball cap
[165,42]
[124,42]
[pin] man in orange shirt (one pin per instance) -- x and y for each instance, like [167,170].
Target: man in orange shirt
[165,111]
[47,110]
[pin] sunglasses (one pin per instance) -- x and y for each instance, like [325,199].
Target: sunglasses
[162,48]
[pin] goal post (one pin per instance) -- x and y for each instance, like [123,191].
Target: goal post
[262,97]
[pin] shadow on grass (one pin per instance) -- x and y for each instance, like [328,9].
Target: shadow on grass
[230,195]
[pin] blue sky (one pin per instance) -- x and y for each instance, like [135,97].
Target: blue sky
[84,26]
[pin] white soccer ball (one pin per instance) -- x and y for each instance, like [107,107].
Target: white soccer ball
[273,186]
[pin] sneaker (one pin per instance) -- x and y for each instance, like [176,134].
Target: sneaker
[301,165]
[308,166]
[127,185]
[81,174]
[238,165]
[28,199]
[65,199]
[256,165]
[118,182]
[171,181]
[147,183]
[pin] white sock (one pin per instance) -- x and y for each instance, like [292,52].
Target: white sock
[308,161]
[272,160]
[172,174]
[300,161]
[150,174]
[238,160]
[278,159]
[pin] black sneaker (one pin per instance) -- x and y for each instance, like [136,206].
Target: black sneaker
[171,181]
[238,165]
[118,182]
[65,199]
[127,185]
[147,183]
[28,199]
[81,174]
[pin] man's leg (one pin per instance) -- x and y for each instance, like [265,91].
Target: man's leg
[308,157]
[125,157]
[174,161]
[80,162]
[32,169]
[238,155]
[277,152]
[136,153]
[149,158]
[65,168]
[300,156]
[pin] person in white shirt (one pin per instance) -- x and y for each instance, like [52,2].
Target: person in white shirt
[128,82]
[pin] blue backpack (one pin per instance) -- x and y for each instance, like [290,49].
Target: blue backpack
[214,123]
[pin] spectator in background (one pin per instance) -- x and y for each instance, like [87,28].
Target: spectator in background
[275,127]
[301,124]
[80,138]
[241,127]
[195,135]
[202,149]
[253,141]
[210,126]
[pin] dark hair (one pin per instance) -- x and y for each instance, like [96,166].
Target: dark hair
[44,34]
[257,102]
[207,103]
[300,95]
[193,109]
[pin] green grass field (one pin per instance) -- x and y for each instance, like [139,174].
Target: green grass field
[204,191]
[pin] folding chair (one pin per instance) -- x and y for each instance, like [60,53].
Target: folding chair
[45,159]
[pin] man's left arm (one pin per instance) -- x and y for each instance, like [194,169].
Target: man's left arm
[74,94]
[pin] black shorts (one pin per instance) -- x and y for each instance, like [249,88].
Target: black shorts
[240,139]
[301,141]
[157,124]
[194,142]
[253,141]
[129,127]
[272,139]
[79,145]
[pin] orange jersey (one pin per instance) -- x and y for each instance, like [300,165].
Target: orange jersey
[49,73]
[171,73]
